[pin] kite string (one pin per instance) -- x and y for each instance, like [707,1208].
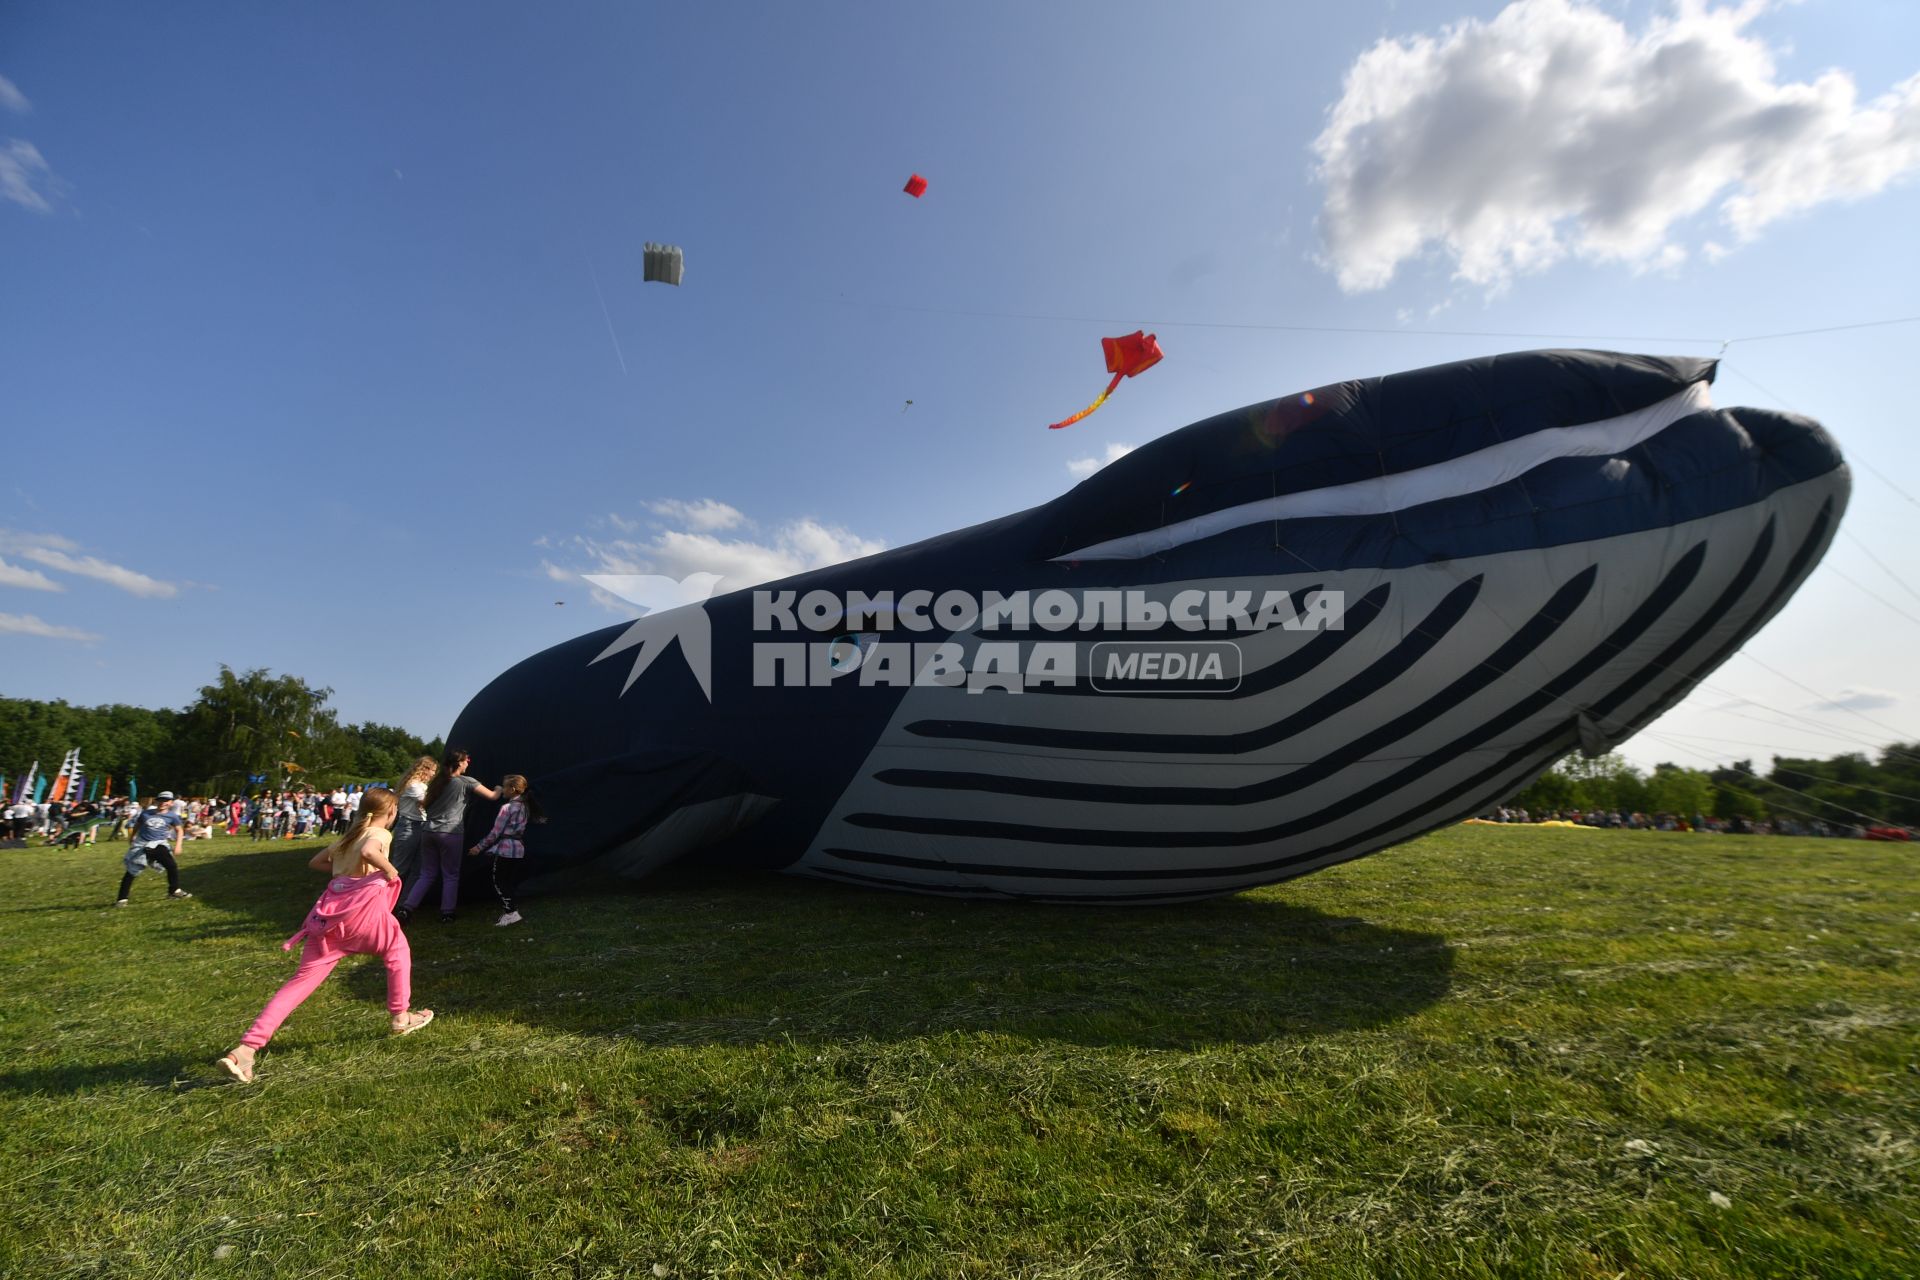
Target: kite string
[1884,567]
[1724,343]
[1771,782]
[605,314]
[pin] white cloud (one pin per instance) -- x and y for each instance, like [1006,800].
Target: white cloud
[13,575]
[12,99]
[677,553]
[705,514]
[55,552]
[1081,468]
[1851,699]
[1553,130]
[25,178]
[128,580]
[25,624]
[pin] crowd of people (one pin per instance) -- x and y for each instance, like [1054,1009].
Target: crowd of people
[295,814]
[1779,826]
[390,850]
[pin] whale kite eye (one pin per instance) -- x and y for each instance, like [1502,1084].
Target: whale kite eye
[846,653]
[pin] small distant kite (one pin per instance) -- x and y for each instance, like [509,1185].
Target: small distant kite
[916,186]
[559,601]
[1135,353]
[664,263]
[908,405]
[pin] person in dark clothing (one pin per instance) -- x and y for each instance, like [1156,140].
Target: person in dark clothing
[153,831]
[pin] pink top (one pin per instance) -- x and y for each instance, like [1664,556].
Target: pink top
[355,914]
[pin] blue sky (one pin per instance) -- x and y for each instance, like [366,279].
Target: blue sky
[302,363]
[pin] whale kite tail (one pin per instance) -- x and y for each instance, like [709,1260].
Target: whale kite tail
[1134,353]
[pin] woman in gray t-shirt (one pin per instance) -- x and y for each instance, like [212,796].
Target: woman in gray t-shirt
[444,807]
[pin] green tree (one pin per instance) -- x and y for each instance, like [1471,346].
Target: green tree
[384,752]
[1605,782]
[1673,789]
[1550,791]
[1736,791]
[244,724]
[254,723]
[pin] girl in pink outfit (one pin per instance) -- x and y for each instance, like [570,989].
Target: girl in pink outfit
[353,917]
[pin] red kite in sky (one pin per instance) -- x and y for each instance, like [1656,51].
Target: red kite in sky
[1137,352]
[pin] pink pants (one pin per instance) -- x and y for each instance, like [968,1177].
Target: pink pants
[353,917]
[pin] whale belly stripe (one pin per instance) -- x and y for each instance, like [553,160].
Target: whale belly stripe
[1808,546]
[1396,491]
[1663,597]
[1538,629]
[1466,795]
[1384,671]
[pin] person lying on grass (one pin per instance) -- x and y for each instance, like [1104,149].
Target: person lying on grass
[353,917]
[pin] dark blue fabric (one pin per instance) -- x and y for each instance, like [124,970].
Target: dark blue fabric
[1358,431]
[1702,465]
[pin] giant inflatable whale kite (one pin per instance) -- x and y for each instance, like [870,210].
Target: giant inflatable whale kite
[1267,643]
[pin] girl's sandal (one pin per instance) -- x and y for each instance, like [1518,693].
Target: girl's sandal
[408,1023]
[241,1071]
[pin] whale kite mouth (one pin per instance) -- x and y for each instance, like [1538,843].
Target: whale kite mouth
[1457,477]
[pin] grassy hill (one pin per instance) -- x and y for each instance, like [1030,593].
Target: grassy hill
[1496,1051]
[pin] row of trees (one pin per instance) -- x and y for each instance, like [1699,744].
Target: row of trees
[257,725]
[244,726]
[1847,790]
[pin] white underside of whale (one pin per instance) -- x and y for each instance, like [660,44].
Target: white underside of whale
[1516,584]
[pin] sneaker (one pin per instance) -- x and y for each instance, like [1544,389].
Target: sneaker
[403,914]
[446,917]
[120,902]
[179,893]
[512,917]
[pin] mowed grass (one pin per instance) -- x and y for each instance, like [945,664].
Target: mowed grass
[1495,1051]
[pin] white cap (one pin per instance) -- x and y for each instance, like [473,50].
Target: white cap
[165,795]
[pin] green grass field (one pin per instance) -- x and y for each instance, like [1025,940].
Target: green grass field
[1496,1051]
